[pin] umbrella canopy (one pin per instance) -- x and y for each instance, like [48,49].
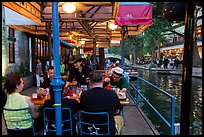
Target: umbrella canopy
[134,13]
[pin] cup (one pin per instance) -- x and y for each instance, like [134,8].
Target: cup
[34,95]
[84,87]
[74,95]
[71,93]
[117,90]
[47,93]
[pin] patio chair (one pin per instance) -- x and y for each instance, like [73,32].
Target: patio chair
[49,121]
[15,123]
[93,123]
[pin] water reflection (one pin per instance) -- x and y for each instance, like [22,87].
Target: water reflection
[173,85]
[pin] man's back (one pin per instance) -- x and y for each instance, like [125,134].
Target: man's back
[101,100]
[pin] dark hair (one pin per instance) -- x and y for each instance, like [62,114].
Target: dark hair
[9,86]
[52,93]
[52,97]
[50,67]
[11,82]
[95,77]
[78,60]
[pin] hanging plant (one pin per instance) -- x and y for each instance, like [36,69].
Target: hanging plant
[11,39]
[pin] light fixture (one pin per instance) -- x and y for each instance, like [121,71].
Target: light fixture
[69,7]
[112,26]
[82,42]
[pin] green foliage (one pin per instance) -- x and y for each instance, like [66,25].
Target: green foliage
[115,50]
[22,70]
[3,78]
[151,38]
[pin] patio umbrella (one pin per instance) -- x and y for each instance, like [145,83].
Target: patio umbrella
[133,14]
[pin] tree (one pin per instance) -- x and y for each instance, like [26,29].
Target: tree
[115,50]
[154,34]
[153,37]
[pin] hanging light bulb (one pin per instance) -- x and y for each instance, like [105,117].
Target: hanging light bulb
[69,7]
[112,26]
[82,42]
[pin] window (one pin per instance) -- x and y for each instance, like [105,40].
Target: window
[11,47]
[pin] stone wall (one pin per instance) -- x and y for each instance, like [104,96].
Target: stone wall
[4,44]
[21,48]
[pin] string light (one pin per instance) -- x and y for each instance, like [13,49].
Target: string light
[112,26]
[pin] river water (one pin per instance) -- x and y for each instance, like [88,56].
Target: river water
[173,85]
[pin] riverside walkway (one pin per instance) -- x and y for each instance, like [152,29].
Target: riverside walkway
[196,72]
[135,123]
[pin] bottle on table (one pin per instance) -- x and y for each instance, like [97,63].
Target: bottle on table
[109,87]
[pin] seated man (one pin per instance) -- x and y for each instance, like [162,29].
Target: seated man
[43,90]
[99,99]
[117,79]
[48,79]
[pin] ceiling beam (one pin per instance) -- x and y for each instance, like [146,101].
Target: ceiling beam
[78,19]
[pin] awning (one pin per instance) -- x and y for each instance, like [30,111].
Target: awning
[14,18]
[66,44]
[134,13]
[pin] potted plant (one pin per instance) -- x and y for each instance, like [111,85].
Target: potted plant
[11,39]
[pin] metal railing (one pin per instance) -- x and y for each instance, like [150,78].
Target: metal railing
[136,101]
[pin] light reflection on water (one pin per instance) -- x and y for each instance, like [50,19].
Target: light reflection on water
[173,85]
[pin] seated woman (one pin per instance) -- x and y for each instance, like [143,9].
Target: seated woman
[14,100]
[66,103]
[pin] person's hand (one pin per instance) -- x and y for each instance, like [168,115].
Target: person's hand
[41,92]
[67,84]
[107,80]
[117,90]
[123,90]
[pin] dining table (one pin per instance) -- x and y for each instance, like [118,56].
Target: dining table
[39,101]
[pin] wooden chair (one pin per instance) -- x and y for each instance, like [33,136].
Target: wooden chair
[93,123]
[49,121]
[16,121]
